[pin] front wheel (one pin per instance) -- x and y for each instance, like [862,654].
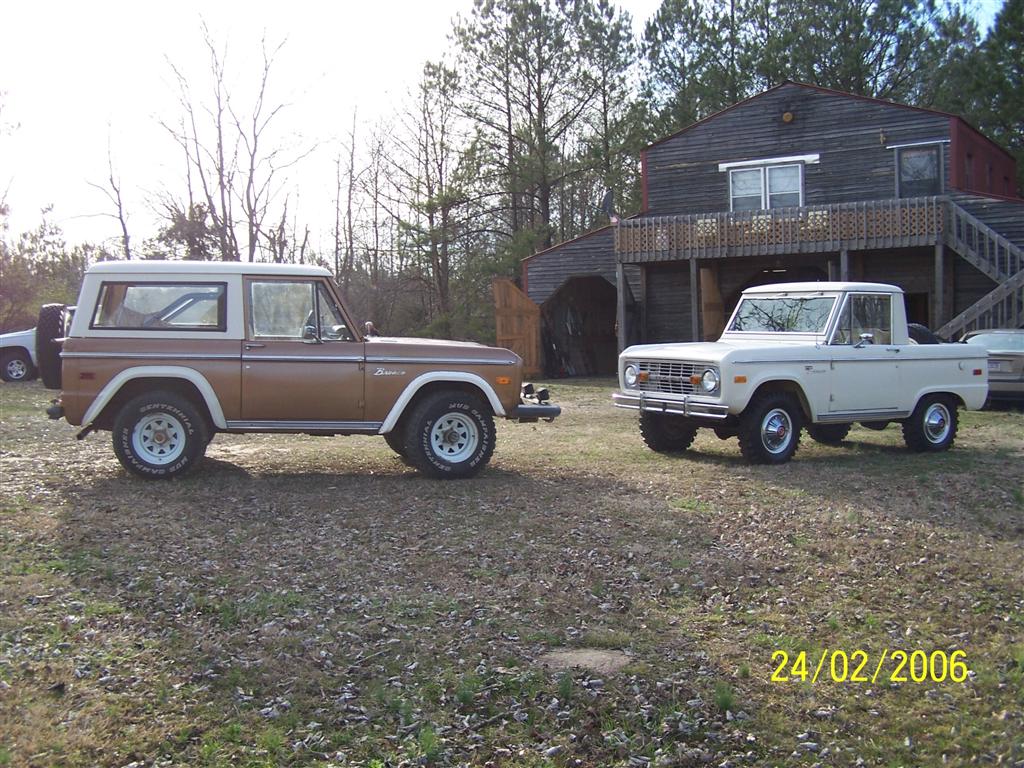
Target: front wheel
[770,428]
[666,433]
[159,435]
[932,425]
[16,366]
[449,435]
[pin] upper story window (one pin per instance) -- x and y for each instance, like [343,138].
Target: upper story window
[918,170]
[756,185]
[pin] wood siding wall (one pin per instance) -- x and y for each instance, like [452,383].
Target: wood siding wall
[590,254]
[683,175]
[667,313]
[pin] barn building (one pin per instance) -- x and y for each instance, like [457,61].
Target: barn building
[796,183]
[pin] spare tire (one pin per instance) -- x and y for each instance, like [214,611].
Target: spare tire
[50,327]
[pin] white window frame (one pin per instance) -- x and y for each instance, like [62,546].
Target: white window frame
[765,194]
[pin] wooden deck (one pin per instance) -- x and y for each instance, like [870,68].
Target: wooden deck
[810,229]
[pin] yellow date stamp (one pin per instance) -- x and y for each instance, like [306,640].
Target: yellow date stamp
[890,666]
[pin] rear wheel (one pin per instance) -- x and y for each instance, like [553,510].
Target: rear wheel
[16,365]
[828,434]
[770,428]
[51,325]
[159,435]
[932,426]
[665,433]
[449,435]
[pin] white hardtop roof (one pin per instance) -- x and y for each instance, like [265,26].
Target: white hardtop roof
[823,287]
[156,267]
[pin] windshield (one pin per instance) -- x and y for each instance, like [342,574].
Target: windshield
[783,314]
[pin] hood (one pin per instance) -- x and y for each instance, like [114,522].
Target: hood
[441,350]
[713,351]
[414,341]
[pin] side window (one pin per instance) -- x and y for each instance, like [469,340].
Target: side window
[282,310]
[332,322]
[161,307]
[286,310]
[865,313]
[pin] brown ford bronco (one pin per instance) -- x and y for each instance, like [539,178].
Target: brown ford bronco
[167,354]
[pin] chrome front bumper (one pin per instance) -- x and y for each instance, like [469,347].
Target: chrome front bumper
[643,401]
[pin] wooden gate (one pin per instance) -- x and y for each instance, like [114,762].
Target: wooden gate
[517,324]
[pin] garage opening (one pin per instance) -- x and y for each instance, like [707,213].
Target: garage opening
[578,328]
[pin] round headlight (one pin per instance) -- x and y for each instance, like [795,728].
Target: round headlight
[709,380]
[630,375]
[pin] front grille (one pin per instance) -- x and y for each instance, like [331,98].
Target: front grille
[673,378]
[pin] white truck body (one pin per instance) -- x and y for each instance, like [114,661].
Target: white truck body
[840,349]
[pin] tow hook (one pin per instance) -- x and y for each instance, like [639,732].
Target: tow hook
[534,405]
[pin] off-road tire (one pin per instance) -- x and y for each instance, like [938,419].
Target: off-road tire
[51,325]
[828,434]
[16,366]
[160,435]
[396,441]
[932,426]
[664,433]
[449,435]
[770,428]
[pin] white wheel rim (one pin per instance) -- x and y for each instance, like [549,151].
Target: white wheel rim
[454,437]
[776,431]
[17,369]
[937,422]
[158,438]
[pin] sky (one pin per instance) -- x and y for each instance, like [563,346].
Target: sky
[79,79]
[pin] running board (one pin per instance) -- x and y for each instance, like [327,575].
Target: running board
[359,427]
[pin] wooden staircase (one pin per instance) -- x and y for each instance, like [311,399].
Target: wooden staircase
[995,256]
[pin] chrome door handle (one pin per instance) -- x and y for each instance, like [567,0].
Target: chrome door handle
[254,346]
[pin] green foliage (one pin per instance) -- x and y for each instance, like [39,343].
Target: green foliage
[38,268]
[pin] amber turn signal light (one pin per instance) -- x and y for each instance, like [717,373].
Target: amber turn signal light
[643,376]
[503,380]
[739,379]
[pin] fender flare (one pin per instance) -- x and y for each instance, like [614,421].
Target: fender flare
[787,378]
[418,383]
[157,372]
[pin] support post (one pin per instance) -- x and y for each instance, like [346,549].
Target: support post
[712,308]
[620,309]
[694,303]
[844,265]
[939,310]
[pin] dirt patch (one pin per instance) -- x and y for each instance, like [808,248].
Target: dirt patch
[591,659]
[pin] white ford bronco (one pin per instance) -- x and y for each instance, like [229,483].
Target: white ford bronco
[821,355]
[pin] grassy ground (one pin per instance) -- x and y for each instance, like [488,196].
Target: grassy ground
[310,601]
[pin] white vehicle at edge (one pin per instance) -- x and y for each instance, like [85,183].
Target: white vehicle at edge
[794,355]
[18,355]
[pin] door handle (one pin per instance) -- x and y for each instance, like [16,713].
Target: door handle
[249,345]
[892,349]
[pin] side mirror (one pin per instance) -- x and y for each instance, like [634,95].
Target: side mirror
[865,338]
[309,335]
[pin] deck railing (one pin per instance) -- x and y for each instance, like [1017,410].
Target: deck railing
[808,229]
